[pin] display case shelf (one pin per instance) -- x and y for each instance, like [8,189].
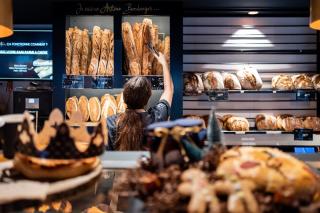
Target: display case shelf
[87,82]
[267,139]
[155,80]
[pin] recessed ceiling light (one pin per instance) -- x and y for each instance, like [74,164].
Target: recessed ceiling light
[253,12]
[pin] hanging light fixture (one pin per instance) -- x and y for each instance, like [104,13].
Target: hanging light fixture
[315,14]
[6,18]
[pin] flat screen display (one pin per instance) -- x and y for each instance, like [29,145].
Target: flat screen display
[27,54]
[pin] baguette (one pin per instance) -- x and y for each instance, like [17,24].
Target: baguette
[110,56]
[138,39]
[69,35]
[85,52]
[76,52]
[131,50]
[105,48]
[96,48]
[147,38]
[166,50]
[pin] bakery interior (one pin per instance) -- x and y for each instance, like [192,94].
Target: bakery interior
[243,132]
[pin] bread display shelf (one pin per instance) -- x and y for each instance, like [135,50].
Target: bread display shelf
[87,82]
[156,81]
[280,139]
[223,94]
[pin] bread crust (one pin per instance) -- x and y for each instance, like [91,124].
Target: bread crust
[94,109]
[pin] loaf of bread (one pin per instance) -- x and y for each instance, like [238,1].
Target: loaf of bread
[86,52]
[249,78]
[231,81]
[76,52]
[197,117]
[94,109]
[166,50]
[192,84]
[96,48]
[316,81]
[110,65]
[289,123]
[233,123]
[104,54]
[121,105]
[131,50]
[84,108]
[138,39]
[69,35]
[71,106]
[302,81]
[266,122]
[147,39]
[212,80]
[312,123]
[282,82]
[108,106]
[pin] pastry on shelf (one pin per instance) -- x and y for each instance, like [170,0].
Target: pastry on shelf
[76,51]
[71,106]
[197,117]
[312,123]
[86,52]
[148,38]
[104,54]
[266,122]
[84,108]
[316,81]
[94,109]
[69,35]
[130,50]
[192,84]
[233,123]
[231,81]
[289,123]
[212,80]
[108,106]
[121,105]
[249,78]
[302,81]
[96,49]
[282,82]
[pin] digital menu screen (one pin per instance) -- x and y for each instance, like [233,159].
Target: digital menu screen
[27,54]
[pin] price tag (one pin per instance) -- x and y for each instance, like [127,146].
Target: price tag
[156,82]
[72,82]
[218,95]
[99,82]
[305,95]
[303,134]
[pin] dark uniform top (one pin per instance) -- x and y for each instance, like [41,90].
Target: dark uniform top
[160,112]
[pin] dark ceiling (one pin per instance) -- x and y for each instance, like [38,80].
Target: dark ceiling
[39,11]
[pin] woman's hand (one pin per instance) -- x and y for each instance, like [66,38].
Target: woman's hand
[161,58]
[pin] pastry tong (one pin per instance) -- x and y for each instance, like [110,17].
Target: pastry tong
[152,49]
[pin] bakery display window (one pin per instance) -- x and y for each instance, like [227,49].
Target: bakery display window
[89,45]
[139,34]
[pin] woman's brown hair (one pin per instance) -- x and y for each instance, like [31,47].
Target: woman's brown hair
[136,94]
